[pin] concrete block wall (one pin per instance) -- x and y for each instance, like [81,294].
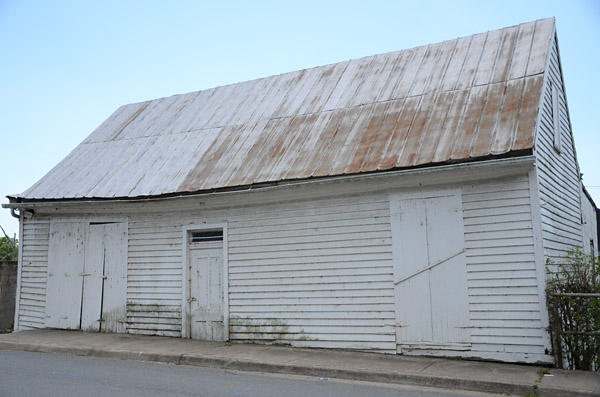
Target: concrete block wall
[8,290]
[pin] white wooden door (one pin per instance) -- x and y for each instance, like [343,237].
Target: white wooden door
[430,273]
[105,271]
[86,286]
[114,301]
[65,264]
[205,290]
[93,273]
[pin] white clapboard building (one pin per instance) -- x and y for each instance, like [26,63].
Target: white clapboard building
[399,203]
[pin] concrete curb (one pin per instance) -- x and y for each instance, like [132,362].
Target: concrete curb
[306,370]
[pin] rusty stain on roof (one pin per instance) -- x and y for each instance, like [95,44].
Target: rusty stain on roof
[458,100]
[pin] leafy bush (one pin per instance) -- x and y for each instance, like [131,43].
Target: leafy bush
[9,249]
[575,319]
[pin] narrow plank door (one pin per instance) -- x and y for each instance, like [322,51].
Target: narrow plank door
[114,296]
[93,279]
[65,266]
[205,293]
[430,273]
[105,271]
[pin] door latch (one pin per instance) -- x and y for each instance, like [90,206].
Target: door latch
[190,300]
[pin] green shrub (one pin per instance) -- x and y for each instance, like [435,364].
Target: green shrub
[575,320]
[9,249]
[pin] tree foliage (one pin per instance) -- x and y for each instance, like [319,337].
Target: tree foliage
[574,308]
[9,247]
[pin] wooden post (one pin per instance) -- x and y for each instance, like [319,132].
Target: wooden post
[559,353]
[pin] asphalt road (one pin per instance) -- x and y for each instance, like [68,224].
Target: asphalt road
[38,374]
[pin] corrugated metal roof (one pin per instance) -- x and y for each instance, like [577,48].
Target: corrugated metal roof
[462,99]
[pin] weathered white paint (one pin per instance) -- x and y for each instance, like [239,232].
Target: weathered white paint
[205,291]
[34,268]
[504,302]
[270,279]
[429,268]
[305,272]
[93,278]
[556,118]
[557,170]
[86,276]
[65,272]
[318,272]
[154,282]
[186,315]
[114,294]
[540,259]
[312,265]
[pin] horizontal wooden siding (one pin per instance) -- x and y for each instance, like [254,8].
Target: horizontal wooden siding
[32,298]
[504,303]
[314,274]
[308,273]
[558,173]
[154,281]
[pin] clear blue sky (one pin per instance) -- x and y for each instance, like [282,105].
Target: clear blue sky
[65,66]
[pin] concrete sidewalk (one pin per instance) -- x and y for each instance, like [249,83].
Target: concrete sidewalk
[423,371]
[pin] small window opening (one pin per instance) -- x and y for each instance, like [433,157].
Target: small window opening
[556,118]
[211,235]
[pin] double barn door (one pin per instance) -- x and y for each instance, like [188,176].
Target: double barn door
[86,285]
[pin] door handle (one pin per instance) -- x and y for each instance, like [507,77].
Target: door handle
[190,300]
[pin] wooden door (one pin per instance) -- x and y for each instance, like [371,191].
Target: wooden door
[65,266]
[86,286]
[205,290]
[114,296]
[430,273]
[105,271]
[93,281]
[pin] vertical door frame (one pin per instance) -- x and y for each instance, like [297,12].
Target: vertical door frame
[185,315]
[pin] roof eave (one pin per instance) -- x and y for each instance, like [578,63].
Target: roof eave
[524,159]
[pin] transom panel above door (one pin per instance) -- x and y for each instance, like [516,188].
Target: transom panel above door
[430,277]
